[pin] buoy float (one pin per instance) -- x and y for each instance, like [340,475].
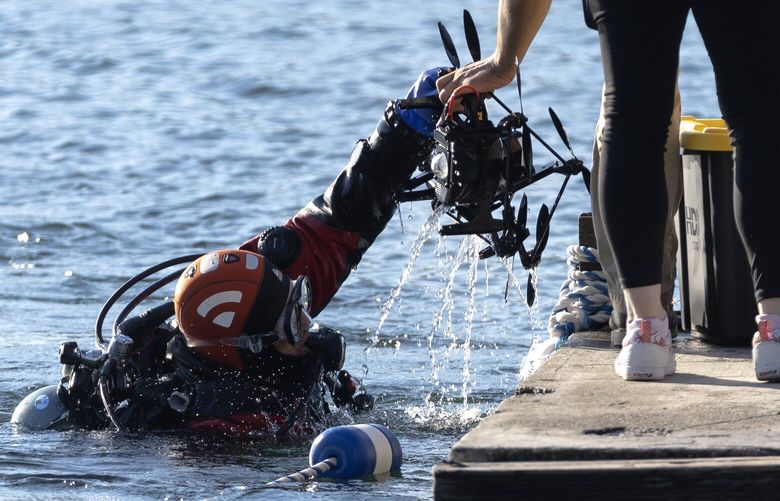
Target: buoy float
[350,451]
[361,449]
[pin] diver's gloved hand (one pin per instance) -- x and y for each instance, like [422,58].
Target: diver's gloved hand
[423,120]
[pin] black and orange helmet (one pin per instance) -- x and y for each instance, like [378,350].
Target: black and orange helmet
[226,296]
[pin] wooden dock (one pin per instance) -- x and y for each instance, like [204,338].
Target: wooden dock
[575,429]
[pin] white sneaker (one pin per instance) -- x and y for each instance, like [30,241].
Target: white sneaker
[647,351]
[766,348]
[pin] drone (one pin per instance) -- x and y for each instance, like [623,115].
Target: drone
[476,167]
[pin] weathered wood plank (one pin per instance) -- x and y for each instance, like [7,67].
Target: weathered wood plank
[694,478]
[587,235]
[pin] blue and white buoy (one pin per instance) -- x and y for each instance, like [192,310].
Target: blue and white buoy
[361,449]
[350,451]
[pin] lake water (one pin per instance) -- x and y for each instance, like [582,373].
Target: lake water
[133,132]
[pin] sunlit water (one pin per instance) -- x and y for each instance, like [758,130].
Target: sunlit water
[133,132]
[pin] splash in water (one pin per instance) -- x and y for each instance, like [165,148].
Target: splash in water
[533,311]
[442,318]
[473,251]
[430,416]
[427,230]
[450,329]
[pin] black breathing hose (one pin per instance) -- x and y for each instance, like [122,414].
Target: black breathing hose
[140,297]
[143,295]
[105,396]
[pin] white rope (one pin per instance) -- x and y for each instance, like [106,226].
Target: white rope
[307,474]
[584,299]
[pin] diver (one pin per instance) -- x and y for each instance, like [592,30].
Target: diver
[251,309]
[242,354]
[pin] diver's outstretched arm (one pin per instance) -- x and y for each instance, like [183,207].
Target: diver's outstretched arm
[328,237]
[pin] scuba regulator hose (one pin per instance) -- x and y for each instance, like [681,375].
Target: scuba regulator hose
[107,369]
[140,297]
[120,346]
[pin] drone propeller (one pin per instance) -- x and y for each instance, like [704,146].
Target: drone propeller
[472,38]
[509,272]
[586,178]
[561,131]
[565,138]
[521,232]
[519,87]
[542,234]
[530,291]
[449,46]
[522,212]
[528,153]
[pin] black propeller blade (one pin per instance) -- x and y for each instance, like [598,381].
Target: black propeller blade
[542,235]
[565,139]
[542,231]
[522,212]
[528,152]
[586,178]
[519,88]
[449,46]
[530,292]
[472,38]
[561,131]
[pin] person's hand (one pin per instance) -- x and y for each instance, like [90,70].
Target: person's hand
[485,75]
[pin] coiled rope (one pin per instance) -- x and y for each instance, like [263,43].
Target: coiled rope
[583,303]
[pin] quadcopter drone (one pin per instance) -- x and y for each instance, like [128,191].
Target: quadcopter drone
[476,167]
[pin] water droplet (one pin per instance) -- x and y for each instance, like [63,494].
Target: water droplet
[68,273]
[23,237]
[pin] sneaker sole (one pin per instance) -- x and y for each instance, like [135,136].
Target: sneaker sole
[766,360]
[629,373]
[645,363]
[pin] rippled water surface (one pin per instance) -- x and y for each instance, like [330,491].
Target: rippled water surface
[133,132]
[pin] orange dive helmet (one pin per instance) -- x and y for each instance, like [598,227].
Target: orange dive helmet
[229,300]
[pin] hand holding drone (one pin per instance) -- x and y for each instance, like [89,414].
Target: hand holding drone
[476,167]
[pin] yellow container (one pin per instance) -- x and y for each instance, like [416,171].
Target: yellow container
[704,134]
[716,291]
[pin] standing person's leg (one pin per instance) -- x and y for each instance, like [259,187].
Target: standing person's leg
[743,42]
[640,43]
[673,175]
[674,189]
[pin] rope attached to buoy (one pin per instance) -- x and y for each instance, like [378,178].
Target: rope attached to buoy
[583,302]
[306,474]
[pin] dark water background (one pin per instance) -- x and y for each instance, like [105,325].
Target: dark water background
[131,132]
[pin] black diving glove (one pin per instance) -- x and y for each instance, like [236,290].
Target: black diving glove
[362,199]
[423,120]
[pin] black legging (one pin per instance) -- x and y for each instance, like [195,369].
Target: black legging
[640,41]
